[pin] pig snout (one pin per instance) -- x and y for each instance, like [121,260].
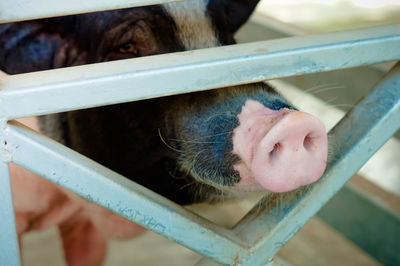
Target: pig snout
[280,150]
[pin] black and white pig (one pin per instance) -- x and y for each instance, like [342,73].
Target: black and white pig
[189,148]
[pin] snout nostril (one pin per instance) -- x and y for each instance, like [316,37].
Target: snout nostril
[275,150]
[308,143]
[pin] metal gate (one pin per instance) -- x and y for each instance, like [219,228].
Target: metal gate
[258,236]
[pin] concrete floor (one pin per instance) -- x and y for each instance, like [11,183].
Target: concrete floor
[315,244]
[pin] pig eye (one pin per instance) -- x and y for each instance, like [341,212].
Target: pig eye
[128,48]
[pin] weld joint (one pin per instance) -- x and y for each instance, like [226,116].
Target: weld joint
[5,148]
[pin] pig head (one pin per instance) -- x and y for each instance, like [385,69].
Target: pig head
[190,148]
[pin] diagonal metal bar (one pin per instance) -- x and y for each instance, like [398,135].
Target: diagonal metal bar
[354,140]
[111,190]
[9,249]
[17,10]
[133,79]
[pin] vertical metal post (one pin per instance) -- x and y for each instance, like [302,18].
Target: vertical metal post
[9,248]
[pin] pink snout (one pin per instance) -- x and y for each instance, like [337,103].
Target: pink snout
[280,150]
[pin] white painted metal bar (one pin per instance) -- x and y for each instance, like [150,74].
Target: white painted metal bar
[133,79]
[111,190]
[276,261]
[354,140]
[9,248]
[18,10]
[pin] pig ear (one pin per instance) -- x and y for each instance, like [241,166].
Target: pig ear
[29,46]
[239,12]
[234,12]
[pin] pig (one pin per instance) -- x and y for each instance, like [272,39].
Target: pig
[196,147]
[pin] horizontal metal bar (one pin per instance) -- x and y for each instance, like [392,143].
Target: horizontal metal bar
[111,190]
[359,216]
[354,140]
[17,10]
[9,249]
[277,261]
[133,79]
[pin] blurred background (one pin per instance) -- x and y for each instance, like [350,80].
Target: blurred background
[332,15]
